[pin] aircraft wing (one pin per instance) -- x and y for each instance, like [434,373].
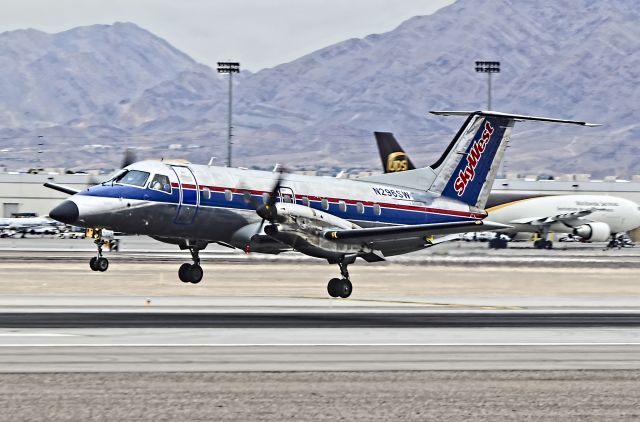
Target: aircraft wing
[384,234]
[560,218]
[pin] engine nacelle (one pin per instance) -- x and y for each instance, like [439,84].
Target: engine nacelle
[302,228]
[595,232]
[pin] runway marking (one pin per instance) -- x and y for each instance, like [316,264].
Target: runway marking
[229,345]
[36,335]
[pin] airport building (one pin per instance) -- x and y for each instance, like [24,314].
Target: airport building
[25,193]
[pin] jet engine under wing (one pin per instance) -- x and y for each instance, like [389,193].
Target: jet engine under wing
[378,234]
[560,218]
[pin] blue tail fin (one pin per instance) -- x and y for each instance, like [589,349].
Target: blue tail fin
[466,172]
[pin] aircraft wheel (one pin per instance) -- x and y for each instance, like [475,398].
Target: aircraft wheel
[183,272]
[548,244]
[504,244]
[333,286]
[345,288]
[102,264]
[92,263]
[538,244]
[195,274]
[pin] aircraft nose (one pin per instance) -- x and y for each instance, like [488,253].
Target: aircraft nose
[67,212]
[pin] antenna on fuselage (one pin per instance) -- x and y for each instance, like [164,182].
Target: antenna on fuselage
[211,161]
[277,168]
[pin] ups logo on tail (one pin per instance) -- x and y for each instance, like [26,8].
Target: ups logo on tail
[397,161]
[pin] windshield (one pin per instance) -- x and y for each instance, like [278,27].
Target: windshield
[132,177]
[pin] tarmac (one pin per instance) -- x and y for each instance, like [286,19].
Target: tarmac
[451,333]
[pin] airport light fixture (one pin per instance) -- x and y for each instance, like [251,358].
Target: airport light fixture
[488,68]
[230,68]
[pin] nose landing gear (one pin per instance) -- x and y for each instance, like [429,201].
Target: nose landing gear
[192,273]
[99,263]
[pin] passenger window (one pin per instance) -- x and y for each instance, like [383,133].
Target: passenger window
[305,201]
[287,199]
[343,206]
[360,207]
[246,195]
[160,182]
[265,198]
[325,204]
[376,209]
[206,193]
[228,195]
[133,178]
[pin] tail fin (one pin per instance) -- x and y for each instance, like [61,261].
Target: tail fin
[467,168]
[392,155]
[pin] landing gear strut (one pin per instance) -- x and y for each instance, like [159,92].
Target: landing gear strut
[191,273]
[544,242]
[99,263]
[341,287]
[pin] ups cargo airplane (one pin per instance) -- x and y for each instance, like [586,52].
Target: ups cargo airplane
[594,218]
[335,219]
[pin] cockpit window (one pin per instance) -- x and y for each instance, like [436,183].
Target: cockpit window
[132,177]
[160,182]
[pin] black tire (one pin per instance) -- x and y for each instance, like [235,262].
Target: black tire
[504,243]
[345,288]
[92,263]
[332,287]
[548,244]
[538,244]
[195,274]
[102,264]
[183,272]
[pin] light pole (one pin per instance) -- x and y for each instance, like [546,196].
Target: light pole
[230,68]
[488,68]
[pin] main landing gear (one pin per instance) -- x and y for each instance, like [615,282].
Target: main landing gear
[191,273]
[99,263]
[341,287]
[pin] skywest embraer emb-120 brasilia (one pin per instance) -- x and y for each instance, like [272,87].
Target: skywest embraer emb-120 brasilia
[335,219]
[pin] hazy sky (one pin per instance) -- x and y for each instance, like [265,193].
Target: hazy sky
[258,33]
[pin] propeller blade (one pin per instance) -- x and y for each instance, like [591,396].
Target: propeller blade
[129,157]
[268,211]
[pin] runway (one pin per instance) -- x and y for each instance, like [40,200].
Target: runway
[463,333]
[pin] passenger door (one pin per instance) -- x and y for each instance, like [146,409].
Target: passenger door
[189,199]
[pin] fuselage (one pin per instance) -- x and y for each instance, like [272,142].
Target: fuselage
[620,214]
[209,203]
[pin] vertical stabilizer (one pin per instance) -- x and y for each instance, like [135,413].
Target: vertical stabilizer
[393,157]
[467,168]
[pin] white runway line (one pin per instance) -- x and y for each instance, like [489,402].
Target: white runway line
[227,345]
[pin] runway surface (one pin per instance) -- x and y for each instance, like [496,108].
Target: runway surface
[465,334]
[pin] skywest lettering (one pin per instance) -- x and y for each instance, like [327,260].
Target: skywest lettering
[467,174]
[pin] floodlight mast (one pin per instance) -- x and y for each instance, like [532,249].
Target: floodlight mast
[230,68]
[488,68]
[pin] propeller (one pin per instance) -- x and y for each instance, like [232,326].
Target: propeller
[268,210]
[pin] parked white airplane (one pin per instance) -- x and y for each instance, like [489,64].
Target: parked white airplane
[592,217]
[28,224]
[339,220]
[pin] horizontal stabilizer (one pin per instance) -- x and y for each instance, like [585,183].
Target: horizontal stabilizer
[516,117]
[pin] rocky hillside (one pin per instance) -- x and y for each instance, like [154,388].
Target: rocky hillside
[111,86]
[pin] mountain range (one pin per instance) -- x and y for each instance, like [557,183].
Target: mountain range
[82,96]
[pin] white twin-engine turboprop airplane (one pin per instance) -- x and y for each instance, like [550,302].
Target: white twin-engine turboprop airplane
[335,219]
